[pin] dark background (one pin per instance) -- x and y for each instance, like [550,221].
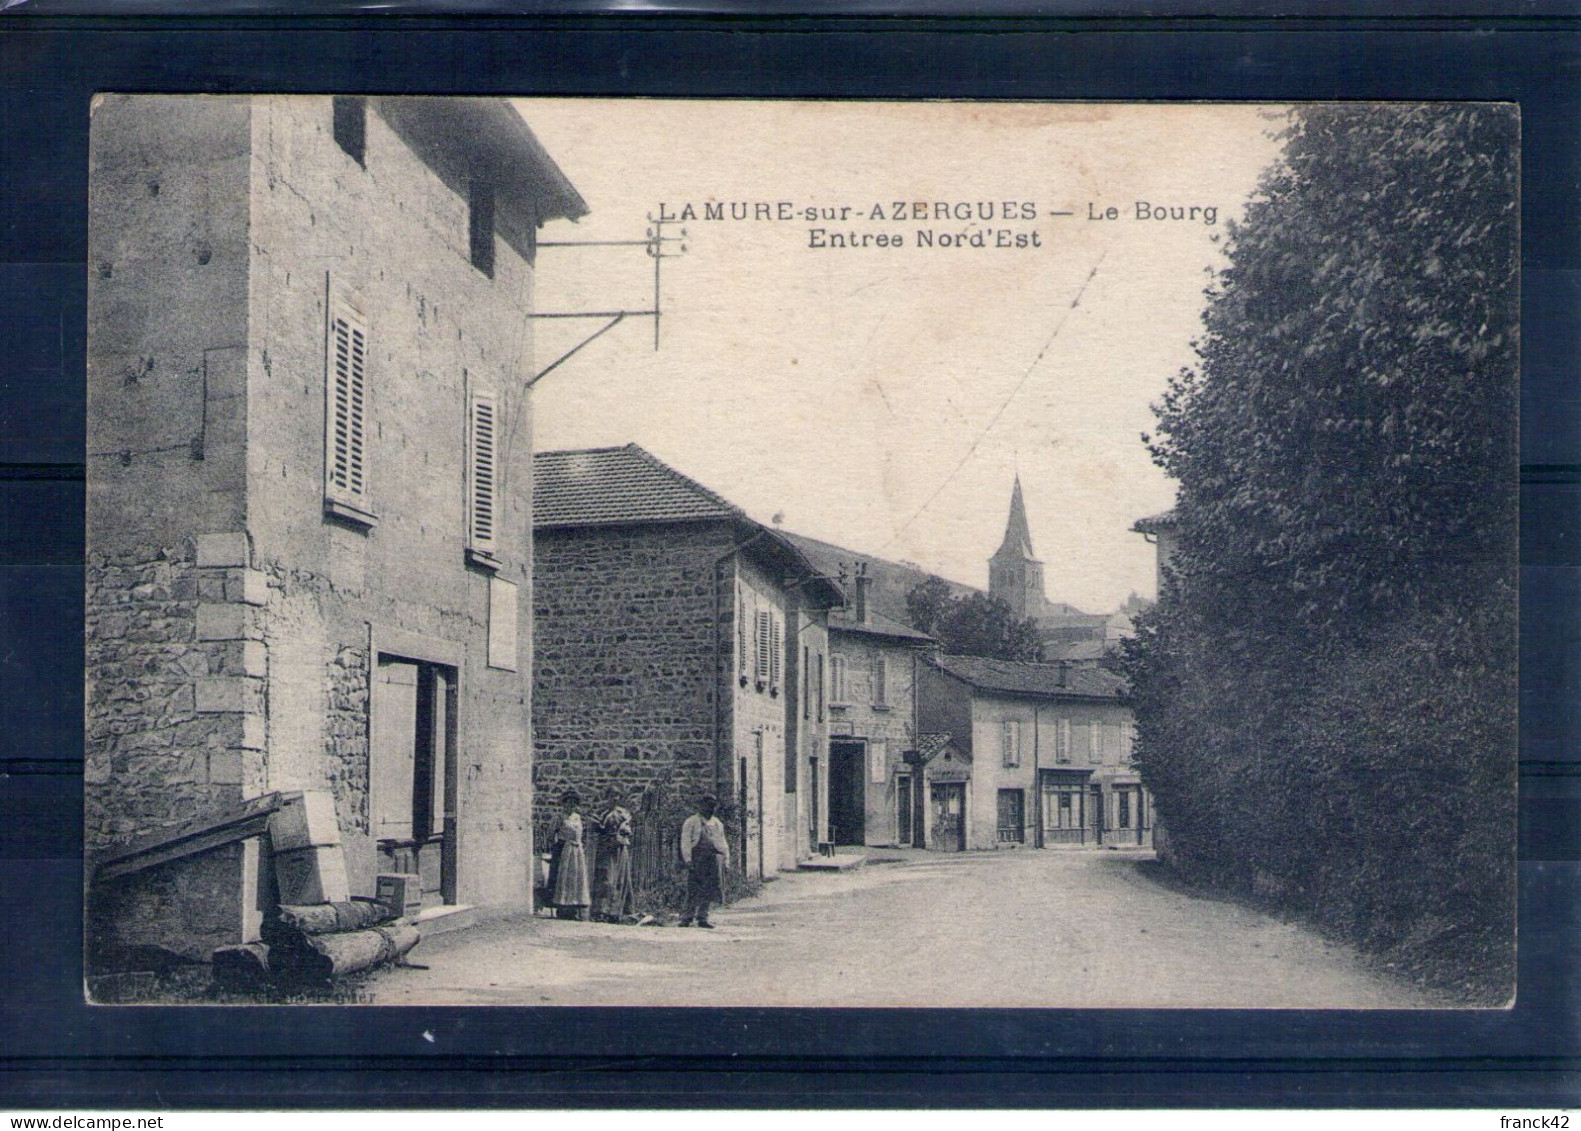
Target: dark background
[57,1052]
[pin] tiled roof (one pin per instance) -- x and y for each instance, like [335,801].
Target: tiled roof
[1082,650]
[1155,522]
[877,624]
[891,581]
[1033,679]
[607,486]
[932,744]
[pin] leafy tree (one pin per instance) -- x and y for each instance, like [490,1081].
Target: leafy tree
[1324,692]
[927,603]
[973,625]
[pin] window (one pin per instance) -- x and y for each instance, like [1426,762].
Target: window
[806,682]
[776,649]
[820,688]
[765,620]
[878,762]
[741,634]
[351,127]
[1062,742]
[880,681]
[1124,797]
[480,224]
[345,414]
[1010,742]
[482,477]
[837,679]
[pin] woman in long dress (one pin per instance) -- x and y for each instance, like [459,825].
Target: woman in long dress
[570,886]
[613,870]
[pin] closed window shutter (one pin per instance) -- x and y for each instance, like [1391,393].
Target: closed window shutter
[346,455]
[764,622]
[741,634]
[483,450]
[880,681]
[1010,743]
[775,648]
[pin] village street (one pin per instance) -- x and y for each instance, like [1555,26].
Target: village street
[911,928]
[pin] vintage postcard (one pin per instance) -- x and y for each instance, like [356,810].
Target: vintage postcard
[933,554]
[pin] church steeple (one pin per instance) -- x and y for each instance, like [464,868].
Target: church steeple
[1018,537]
[1015,575]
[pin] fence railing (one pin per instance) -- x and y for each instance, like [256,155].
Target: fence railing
[1137,836]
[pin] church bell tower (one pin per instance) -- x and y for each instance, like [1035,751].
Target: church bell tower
[1015,575]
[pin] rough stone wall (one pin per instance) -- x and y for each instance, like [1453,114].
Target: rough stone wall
[152,759]
[625,679]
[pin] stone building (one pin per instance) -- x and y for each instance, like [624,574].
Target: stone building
[1044,756]
[679,644]
[309,509]
[1160,530]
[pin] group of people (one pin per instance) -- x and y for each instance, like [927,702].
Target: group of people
[607,895]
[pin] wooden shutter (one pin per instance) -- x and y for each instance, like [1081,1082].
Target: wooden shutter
[775,648]
[483,473]
[880,681]
[741,634]
[765,621]
[346,425]
[1010,743]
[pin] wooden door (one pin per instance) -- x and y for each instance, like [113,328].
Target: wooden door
[847,792]
[411,780]
[949,816]
[1012,816]
[903,805]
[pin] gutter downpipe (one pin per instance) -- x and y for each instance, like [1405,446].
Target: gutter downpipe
[1037,783]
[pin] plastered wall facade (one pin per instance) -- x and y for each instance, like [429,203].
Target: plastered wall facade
[883,724]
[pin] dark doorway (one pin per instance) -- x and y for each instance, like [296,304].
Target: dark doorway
[1012,816]
[949,816]
[847,793]
[411,771]
[814,812]
[903,805]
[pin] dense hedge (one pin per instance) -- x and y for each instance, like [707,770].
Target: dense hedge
[1325,692]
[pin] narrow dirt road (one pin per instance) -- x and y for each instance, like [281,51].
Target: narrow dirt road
[1036,929]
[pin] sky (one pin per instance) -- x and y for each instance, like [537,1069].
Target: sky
[884,398]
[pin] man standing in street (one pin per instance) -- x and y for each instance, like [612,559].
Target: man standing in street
[706,855]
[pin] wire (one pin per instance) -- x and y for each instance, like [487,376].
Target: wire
[1005,404]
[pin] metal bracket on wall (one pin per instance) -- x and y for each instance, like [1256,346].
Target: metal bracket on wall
[656,243]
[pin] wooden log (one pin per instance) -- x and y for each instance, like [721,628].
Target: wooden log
[244,967]
[334,918]
[322,958]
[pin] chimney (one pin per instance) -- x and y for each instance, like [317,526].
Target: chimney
[862,582]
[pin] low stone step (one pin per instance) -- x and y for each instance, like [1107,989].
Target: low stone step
[447,917]
[840,862]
